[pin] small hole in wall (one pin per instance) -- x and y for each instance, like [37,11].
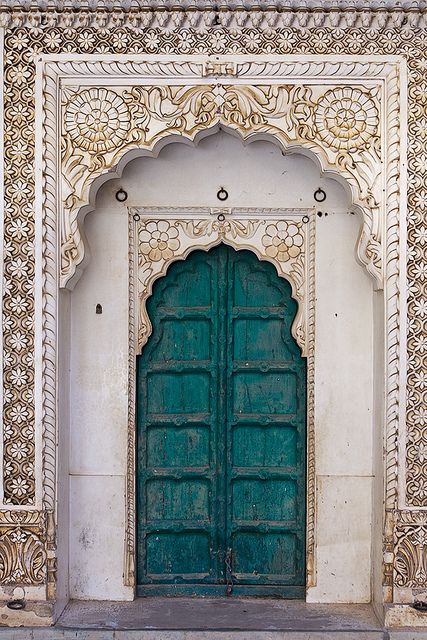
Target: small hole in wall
[98,308]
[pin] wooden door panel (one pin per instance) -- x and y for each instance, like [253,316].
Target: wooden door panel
[183,341]
[266,382]
[177,488]
[264,393]
[265,446]
[178,555]
[183,446]
[221,444]
[265,558]
[260,339]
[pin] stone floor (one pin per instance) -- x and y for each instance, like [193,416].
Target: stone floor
[213,619]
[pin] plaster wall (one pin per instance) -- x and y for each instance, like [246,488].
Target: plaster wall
[257,175]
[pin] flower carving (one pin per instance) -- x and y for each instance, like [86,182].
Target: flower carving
[97,120]
[158,240]
[346,118]
[283,240]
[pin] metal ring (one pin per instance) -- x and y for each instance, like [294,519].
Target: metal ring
[222,194]
[305,219]
[121,195]
[221,217]
[16,604]
[319,195]
[136,217]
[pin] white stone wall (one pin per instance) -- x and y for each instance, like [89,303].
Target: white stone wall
[257,175]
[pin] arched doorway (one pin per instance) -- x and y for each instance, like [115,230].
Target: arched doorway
[221,406]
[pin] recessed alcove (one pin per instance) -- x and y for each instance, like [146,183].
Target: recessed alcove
[94,366]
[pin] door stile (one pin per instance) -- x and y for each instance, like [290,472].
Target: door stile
[228,352]
[218,392]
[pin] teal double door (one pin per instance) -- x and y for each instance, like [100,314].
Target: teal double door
[221,411]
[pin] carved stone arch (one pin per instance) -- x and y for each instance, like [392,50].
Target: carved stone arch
[129,155]
[183,230]
[156,98]
[341,123]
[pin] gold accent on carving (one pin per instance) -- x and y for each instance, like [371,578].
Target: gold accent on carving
[158,240]
[346,118]
[337,124]
[410,565]
[283,240]
[22,548]
[97,120]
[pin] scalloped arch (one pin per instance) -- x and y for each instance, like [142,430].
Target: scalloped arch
[349,148]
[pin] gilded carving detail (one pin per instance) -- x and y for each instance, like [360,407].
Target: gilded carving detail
[158,240]
[97,120]
[22,548]
[346,118]
[283,241]
[410,567]
[100,125]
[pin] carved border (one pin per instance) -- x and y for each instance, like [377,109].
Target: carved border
[390,83]
[346,14]
[295,115]
[193,228]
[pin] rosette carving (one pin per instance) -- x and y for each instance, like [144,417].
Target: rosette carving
[346,118]
[97,120]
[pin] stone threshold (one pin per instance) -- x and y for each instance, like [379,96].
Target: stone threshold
[218,614]
[213,619]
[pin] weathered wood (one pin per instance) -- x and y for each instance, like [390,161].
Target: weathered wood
[221,432]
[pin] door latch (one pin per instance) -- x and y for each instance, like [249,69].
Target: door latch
[229,571]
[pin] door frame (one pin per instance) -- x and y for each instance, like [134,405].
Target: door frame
[252,226]
[246,81]
[202,228]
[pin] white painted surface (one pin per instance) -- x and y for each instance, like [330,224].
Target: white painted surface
[344,539]
[96,537]
[255,176]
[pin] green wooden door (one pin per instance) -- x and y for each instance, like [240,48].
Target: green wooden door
[221,407]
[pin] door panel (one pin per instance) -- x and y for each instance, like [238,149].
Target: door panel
[221,432]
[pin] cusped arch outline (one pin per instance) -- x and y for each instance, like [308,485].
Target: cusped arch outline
[187,229]
[105,126]
[257,87]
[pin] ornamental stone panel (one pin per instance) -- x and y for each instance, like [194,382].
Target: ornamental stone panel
[84,88]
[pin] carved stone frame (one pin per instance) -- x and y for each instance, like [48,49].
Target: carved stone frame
[281,98]
[241,228]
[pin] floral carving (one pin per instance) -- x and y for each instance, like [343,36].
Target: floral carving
[283,33]
[283,240]
[97,120]
[346,118]
[158,240]
[411,551]
[22,548]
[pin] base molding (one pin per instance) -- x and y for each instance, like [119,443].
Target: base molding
[35,614]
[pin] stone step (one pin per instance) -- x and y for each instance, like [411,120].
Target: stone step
[56,633]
